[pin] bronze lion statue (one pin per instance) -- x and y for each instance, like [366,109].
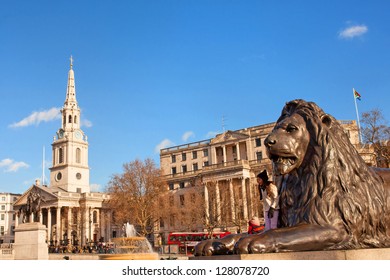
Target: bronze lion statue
[329,197]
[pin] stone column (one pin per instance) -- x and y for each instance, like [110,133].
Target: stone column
[69,232]
[224,154]
[244,200]
[58,224]
[102,223]
[49,224]
[213,155]
[232,206]
[41,216]
[206,203]
[16,220]
[218,202]
[108,223]
[238,151]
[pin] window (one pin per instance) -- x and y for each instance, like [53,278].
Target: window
[194,155]
[182,185]
[2,217]
[78,176]
[3,198]
[60,155]
[259,155]
[78,155]
[173,158]
[184,168]
[3,207]
[94,217]
[195,166]
[258,142]
[58,176]
[70,119]
[173,170]
[75,119]
[171,186]
[234,148]
[205,153]
[181,200]
[183,156]
[206,163]
[2,230]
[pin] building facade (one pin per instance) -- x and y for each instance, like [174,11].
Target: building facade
[67,207]
[7,217]
[212,183]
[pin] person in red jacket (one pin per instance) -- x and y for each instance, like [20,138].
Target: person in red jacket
[254,226]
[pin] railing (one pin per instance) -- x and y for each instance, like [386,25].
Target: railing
[186,146]
[6,251]
[243,163]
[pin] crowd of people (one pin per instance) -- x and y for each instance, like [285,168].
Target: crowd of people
[95,248]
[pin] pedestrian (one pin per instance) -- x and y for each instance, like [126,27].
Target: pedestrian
[254,226]
[270,196]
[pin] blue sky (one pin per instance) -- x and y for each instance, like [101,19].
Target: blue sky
[155,73]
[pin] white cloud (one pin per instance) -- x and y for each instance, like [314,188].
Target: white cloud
[86,123]
[11,166]
[353,31]
[212,134]
[187,135]
[38,117]
[163,144]
[95,187]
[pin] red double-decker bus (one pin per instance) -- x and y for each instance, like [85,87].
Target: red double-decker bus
[188,240]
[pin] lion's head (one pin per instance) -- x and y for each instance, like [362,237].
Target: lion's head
[326,182]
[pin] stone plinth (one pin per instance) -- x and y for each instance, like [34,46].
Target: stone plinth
[359,254]
[30,242]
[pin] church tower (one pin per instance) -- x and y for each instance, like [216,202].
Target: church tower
[70,170]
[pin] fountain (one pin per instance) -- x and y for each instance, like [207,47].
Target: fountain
[131,247]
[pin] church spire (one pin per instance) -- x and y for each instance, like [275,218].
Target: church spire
[71,90]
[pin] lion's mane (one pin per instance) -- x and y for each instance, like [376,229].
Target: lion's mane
[333,185]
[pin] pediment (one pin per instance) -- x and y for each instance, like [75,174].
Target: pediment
[45,194]
[228,136]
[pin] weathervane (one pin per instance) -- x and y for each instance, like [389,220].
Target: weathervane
[71,62]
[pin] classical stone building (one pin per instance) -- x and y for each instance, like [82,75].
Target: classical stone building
[67,207]
[212,183]
[7,217]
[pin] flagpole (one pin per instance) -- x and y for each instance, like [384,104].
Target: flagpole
[357,115]
[43,166]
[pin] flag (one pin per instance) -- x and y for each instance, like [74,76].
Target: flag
[356,94]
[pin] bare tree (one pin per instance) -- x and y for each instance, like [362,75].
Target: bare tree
[135,194]
[376,132]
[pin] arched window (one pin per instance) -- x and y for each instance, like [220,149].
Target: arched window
[60,155]
[75,119]
[64,121]
[78,155]
[70,119]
